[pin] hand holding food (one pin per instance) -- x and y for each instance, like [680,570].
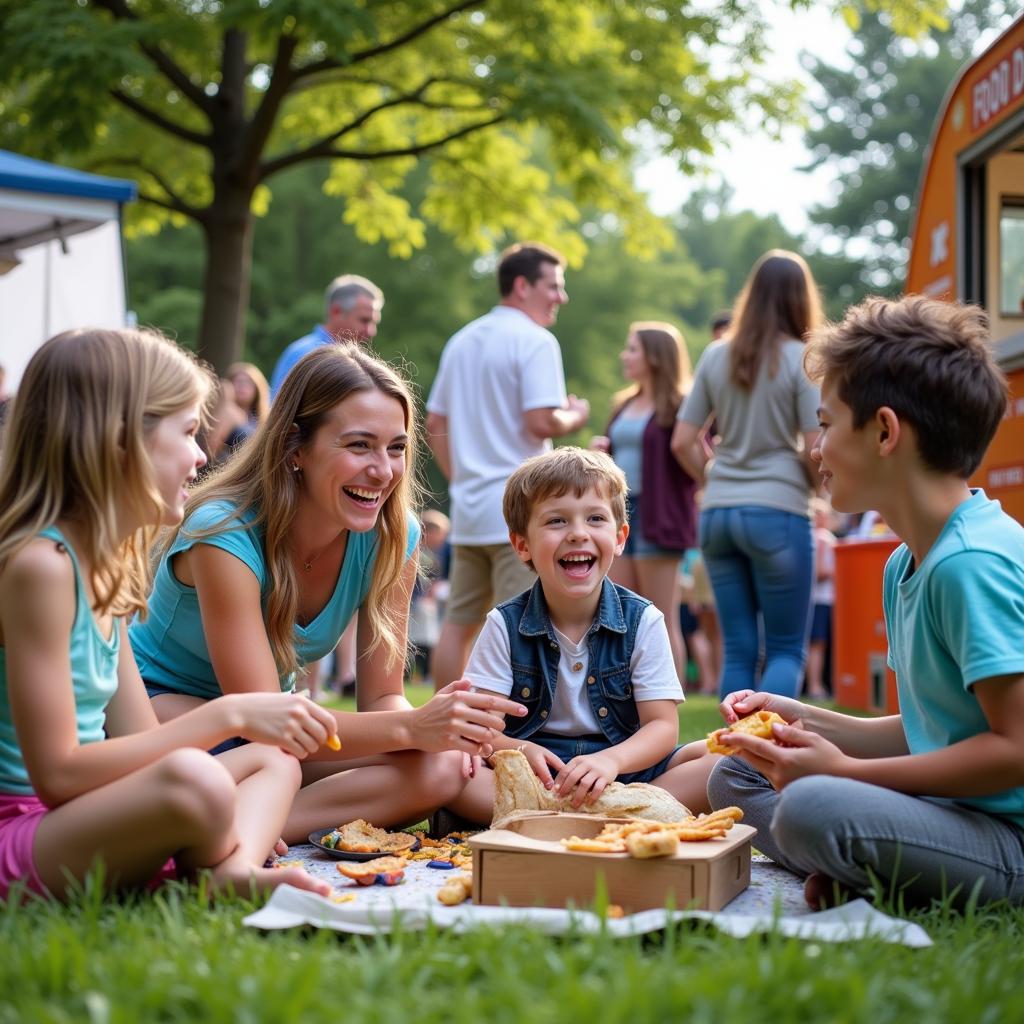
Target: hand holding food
[758,724]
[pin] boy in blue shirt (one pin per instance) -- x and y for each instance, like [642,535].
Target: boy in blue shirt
[590,660]
[929,802]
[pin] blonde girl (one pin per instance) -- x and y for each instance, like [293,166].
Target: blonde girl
[98,452]
[310,523]
[661,500]
[252,392]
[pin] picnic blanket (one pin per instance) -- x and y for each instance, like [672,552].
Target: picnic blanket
[774,901]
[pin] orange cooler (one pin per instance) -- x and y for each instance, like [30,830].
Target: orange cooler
[860,675]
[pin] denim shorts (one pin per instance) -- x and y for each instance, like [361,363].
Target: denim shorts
[637,545]
[156,690]
[568,747]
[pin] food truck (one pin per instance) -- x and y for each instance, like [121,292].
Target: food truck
[967,245]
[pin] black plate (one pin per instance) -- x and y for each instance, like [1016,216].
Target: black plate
[316,839]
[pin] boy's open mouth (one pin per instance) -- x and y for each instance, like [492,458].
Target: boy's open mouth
[577,565]
[362,497]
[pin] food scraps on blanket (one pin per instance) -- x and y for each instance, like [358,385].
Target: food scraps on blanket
[647,839]
[456,890]
[360,836]
[381,871]
[758,724]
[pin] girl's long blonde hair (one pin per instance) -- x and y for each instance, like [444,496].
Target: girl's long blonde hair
[259,478]
[669,363]
[260,408]
[779,300]
[74,449]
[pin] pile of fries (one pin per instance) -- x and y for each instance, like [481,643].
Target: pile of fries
[643,839]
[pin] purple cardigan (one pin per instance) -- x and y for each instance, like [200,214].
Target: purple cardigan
[668,511]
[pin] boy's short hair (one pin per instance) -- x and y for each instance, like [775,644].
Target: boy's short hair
[928,361]
[556,473]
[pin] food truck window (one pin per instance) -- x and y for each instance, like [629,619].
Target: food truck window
[1011,256]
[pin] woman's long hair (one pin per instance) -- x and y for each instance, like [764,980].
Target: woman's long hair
[669,363]
[259,478]
[74,448]
[780,300]
[260,407]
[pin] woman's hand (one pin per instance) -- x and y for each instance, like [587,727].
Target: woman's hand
[456,718]
[741,703]
[296,725]
[586,777]
[600,443]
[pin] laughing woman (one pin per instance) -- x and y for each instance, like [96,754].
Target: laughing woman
[309,524]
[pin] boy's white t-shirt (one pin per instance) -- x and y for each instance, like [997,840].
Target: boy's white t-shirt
[652,671]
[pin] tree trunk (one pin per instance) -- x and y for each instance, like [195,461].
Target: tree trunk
[228,230]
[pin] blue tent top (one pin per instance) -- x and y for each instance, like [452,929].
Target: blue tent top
[24,174]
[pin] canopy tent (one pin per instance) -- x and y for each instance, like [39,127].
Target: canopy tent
[60,255]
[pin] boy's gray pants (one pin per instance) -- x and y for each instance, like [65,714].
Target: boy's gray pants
[922,847]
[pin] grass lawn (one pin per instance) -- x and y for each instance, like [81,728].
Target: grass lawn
[172,958]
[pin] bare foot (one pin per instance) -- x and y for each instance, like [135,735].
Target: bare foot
[246,880]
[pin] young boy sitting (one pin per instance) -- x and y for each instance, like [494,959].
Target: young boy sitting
[590,660]
[931,801]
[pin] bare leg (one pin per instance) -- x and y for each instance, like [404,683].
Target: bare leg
[452,652]
[658,581]
[708,619]
[700,647]
[814,681]
[386,790]
[182,806]
[687,777]
[476,801]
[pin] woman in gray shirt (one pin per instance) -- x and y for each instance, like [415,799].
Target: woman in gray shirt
[755,521]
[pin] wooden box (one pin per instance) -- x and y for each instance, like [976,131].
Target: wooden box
[522,864]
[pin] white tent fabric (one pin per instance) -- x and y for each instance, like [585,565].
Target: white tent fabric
[65,244]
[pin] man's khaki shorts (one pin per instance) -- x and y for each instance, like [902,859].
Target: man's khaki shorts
[482,576]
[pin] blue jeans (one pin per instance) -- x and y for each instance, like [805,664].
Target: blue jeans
[856,833]
[760,561]
[568,747]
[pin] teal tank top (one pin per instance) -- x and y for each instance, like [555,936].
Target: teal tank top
[93,679]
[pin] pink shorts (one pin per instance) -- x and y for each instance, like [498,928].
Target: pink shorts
[19,818]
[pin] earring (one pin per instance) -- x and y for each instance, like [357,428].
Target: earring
[295,468]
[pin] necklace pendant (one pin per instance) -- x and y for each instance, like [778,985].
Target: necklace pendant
[307,566]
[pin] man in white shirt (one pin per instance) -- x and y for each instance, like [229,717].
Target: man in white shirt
[498,399]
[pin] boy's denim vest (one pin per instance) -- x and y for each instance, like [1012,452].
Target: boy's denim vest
[535,653]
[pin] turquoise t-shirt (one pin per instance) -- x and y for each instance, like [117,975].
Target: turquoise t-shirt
[170,646]
[93,680]
[955,619]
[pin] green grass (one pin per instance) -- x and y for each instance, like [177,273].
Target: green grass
[171,957]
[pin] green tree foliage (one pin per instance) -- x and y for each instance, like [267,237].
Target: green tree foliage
[872,126]
[206,102]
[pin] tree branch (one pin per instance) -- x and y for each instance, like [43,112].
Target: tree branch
[331,64]
[173,201]
[159,59]
[281,79]
[156,118]
[327,152]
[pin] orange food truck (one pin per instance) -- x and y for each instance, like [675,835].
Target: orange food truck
[967,244]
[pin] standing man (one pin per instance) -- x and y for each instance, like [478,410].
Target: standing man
[353,313]
[498,399]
